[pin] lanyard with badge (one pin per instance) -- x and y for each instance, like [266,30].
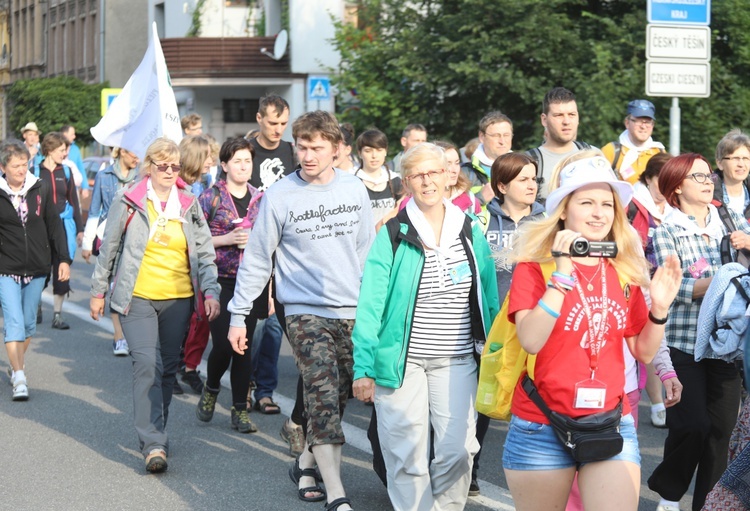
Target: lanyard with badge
[592,393]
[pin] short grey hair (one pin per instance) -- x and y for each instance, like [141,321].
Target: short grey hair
[13,148]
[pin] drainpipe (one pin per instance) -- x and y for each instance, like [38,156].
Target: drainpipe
[101,41]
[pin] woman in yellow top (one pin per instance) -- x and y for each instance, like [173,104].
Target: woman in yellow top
[157,252]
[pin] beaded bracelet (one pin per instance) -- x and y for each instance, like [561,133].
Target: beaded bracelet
[547,309]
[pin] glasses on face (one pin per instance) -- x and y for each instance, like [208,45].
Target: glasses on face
[738,159]
[643,121]
[701,178]
[432,174]
[174,167]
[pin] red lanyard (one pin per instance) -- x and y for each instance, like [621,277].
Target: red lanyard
[596,335]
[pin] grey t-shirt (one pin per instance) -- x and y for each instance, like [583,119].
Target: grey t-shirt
[549,161]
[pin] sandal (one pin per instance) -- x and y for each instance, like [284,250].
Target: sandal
[156,461]
[333,506]
[295,473]
[267,407]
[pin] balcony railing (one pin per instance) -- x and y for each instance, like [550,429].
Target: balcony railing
[222,57]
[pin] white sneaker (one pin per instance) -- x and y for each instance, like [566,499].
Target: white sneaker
[120,348]
[20,391]
[659,420]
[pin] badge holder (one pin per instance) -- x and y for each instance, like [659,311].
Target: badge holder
[590,394]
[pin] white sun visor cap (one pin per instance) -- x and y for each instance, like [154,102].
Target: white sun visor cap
[585,172]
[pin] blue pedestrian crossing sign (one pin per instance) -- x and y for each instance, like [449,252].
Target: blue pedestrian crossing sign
[318,88]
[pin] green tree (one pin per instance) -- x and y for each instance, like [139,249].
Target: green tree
[445,63]
[53,102]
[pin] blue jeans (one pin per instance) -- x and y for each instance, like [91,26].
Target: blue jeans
[264,354]
[20,302]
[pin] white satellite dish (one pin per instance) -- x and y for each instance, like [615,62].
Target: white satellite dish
[279,47]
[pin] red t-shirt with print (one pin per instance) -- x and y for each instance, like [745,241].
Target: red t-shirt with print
[565,359]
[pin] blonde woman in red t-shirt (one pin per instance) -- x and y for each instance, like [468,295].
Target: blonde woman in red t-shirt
[575,324]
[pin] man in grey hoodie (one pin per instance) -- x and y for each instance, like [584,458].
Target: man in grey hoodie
[319,224]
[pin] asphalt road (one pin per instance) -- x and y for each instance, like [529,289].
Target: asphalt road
[72,445]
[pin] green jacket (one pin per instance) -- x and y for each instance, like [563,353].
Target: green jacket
[388,297]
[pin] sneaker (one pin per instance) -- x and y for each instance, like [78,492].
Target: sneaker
[206,405]
[20,390]
[193,379]
[58,323]
[241,421]
[659,418]
[473,488]
[293,435]
[120,348]
[177,389]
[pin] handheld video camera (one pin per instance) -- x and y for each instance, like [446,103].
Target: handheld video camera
[581,247]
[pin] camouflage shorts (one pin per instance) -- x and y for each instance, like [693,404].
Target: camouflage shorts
[323,351]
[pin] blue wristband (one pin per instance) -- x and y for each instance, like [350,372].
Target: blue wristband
[547,309]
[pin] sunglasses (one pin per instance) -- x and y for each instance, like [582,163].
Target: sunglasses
[176,168]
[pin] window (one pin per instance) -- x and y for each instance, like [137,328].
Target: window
[240,110]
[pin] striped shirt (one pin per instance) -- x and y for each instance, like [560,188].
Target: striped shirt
[682,327]
[442,323]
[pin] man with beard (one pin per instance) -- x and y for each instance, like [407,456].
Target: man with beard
[560,120]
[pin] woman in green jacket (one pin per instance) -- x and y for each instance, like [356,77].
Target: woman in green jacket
[428,298]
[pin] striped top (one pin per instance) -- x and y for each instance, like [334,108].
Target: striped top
[442,322]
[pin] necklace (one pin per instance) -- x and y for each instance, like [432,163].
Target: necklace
[589,285]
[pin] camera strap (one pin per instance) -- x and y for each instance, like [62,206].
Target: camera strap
[595,335]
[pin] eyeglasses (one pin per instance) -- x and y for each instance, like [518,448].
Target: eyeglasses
[643,121]
[176,168]
[737,159]
[432,174]
[701,178]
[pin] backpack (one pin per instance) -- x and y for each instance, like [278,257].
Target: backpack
[617,146]
[536,155]
[66,169]
[743,256]
[394,228]
[515,361]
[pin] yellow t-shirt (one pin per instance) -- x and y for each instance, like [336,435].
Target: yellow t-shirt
[165,269]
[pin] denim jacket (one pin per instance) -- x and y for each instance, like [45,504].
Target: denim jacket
[122,248]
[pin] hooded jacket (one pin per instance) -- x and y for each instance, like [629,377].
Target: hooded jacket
[500,231]
[27,250]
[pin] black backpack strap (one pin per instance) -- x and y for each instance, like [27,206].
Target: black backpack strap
[618,152]
[581,145]
[215,198]
[725,245]
[394,228]
[536,155]
[632,211]
[737,283]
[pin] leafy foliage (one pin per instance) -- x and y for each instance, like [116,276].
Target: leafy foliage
[53,102]
[445,63]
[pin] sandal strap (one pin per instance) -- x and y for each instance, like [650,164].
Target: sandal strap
[333,506]
[309,472]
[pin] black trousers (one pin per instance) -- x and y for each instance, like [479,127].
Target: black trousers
[699,428]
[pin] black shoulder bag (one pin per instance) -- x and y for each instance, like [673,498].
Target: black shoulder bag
[594,437]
